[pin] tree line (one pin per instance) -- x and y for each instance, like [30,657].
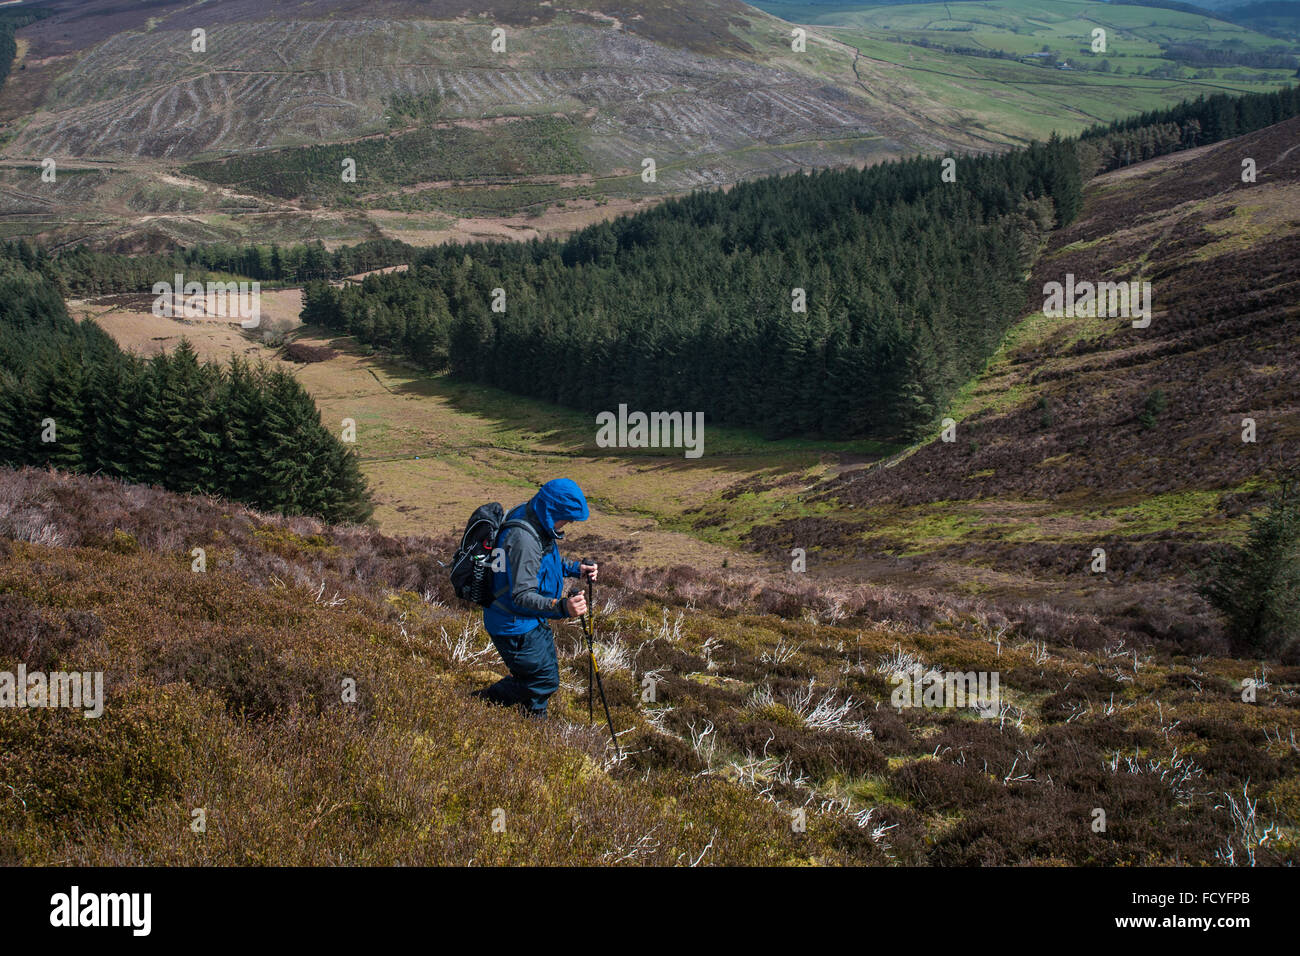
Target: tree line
[1199,122]
[10,22]
[428,153]
[71,399]
[1198,55]
[83,271]
[842,303]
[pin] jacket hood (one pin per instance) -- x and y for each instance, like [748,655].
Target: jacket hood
[558,500]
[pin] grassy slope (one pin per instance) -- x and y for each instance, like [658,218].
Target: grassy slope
[224,694]
[1105,727]
[999,98]
[414,773]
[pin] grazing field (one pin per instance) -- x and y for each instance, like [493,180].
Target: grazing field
[1025,68]
[129,319]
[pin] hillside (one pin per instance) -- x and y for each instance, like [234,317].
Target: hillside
[1053,457]
[1011,511]
[772,692]
[158,144]
[226,693]
[917,580]
[441,126]
[1024,68]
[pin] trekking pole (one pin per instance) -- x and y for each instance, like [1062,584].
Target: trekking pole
[591,655]
[594,671]
[589,624]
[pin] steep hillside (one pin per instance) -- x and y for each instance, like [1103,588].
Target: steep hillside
[757,718]
[158,144]
[1089,433]
[288,73]
[710,90]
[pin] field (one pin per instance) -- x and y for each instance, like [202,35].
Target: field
[972,66]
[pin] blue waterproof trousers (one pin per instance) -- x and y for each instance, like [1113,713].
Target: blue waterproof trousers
[534,670]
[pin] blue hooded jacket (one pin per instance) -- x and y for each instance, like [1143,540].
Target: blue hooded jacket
[534,574]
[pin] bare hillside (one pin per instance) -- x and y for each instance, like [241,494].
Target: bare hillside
[710,91]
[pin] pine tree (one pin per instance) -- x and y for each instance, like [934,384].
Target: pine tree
[62,387]
[18,418]
[1256,587]
[146,458]
[192,433]
[289,455]
[242,467]
[108,404]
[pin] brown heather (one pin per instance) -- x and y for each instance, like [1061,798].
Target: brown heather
[224,692]
[1054,429]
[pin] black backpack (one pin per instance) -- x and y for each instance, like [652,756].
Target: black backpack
[471,568]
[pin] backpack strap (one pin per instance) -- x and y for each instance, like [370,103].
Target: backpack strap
[513,523]
[520,523]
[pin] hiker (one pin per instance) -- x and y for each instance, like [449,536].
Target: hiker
[530,593]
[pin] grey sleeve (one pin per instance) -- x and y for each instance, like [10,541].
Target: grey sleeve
[524,554]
